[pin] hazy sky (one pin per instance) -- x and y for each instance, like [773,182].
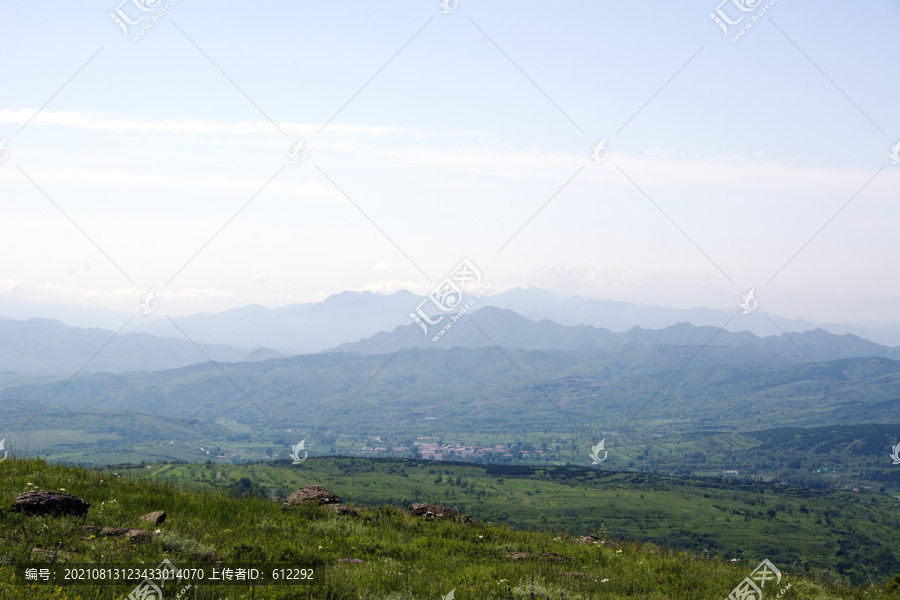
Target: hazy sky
[436,136]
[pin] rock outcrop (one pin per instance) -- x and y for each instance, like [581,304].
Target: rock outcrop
[311,495]
[48,502]
[342,509]
[436,511]
[131,533]
[545,555]
[154,518]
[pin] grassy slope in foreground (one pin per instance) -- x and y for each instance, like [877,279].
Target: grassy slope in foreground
[403,557]
[825,534]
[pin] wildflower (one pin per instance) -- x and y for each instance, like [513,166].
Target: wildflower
[618,551]
[733,560]
[604,580]
[62,489]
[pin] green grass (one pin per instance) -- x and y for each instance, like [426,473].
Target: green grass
[402,556]
[828,534]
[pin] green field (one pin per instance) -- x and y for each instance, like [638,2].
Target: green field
[830,534]
[835,458]
[387,554]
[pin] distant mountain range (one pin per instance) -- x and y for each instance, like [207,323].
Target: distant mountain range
[510,330]
[493,371]
[45,346]
[353,316]
[566,309]
[296,328]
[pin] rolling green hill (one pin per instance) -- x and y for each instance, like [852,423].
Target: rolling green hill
[816,532]
[383,553]
[740,387]
[523,407]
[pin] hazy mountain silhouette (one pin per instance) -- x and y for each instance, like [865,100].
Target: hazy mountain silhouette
[45,346]
[297,328]
[509,329]
[353,316]
[566,309]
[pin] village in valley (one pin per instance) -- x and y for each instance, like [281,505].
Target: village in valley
[436,450]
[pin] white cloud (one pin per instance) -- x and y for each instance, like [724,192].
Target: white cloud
[102,122]
[73,292]
[469,153]
[10,286]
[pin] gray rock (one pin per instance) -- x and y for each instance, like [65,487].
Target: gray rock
[315,495]
[155,518]
[436,511]
[342,509]
[49,502]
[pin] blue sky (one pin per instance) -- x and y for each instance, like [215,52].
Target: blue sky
[725,158]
